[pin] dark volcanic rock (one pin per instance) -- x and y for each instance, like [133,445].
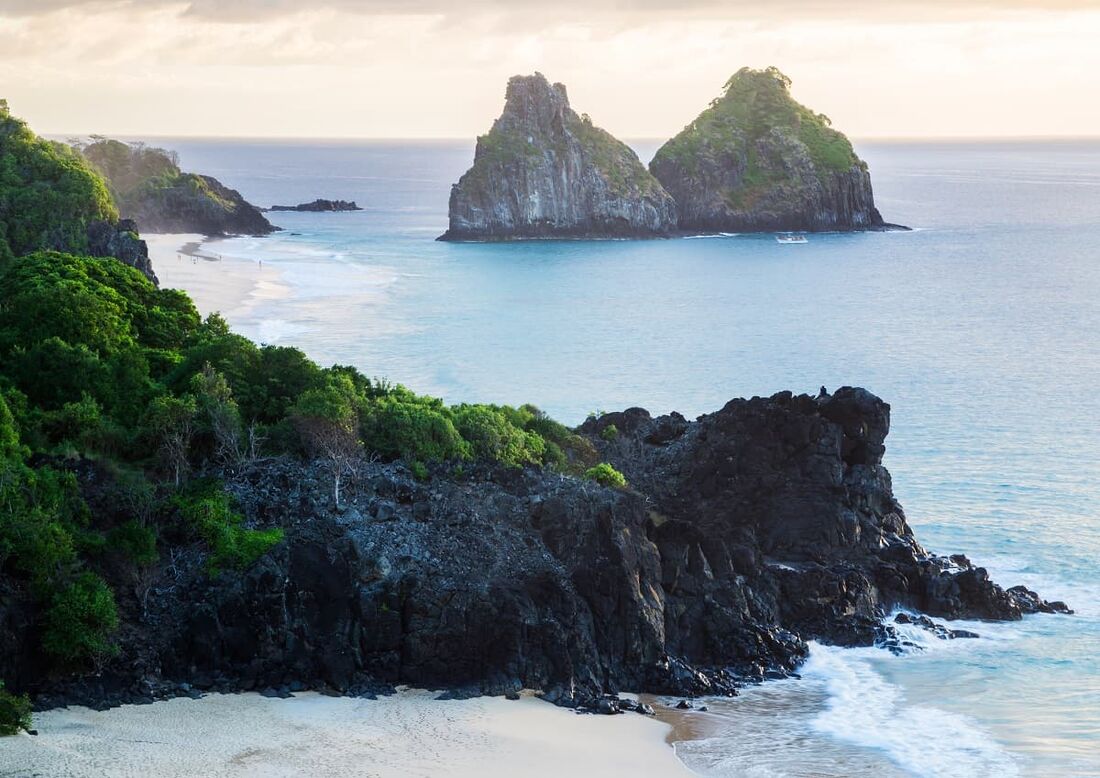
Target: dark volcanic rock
[542,171]
[757,161]
[743,535]
[197,203]
[319,206]
[121,241]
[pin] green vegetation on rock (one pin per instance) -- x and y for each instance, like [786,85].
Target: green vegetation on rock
[206,507]
[756,103]
[48,192]
[15,712]
[617,162]
[148,186]
[119,406]
[605,475]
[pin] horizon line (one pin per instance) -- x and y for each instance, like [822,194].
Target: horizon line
[626,138]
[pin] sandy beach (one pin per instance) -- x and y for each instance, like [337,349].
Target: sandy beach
[215,282]
[408,734]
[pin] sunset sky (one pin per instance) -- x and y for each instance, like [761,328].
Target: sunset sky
[641,68]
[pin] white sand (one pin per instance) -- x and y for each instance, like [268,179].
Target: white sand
[215,282]
[407,734]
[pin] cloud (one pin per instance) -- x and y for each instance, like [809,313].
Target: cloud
[243,11]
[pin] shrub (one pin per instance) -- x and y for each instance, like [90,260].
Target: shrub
[605,475]
[208,510]
[563,446]
[81,620]
[610,432]
[416,429]
[15,712]
[138,543]
[491,436]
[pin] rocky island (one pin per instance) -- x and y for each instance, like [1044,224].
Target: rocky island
[542,171]
[151,190]
[320,205]
[758,161]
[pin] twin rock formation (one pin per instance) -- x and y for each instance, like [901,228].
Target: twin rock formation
[754,161]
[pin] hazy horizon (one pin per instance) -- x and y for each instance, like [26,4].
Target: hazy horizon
[381,69]
[628,139]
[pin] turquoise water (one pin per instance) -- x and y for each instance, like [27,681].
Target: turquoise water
[981,328]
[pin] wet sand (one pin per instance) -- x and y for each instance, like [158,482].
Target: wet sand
[216,283]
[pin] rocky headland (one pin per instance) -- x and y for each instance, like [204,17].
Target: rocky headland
[758,161]
[320,205]
[543,171]
[739,537]
[151,190]
[51,200]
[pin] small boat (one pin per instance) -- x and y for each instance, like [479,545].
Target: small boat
[791,238]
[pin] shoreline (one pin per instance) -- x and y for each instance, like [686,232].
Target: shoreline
[215,282]
[410,733]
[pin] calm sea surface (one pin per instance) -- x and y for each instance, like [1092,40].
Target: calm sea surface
[981,328]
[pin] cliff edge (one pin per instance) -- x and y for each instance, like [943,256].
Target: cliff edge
[758,161]
[542,171]
[151,190]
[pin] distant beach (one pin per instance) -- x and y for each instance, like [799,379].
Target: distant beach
[410,734]
[215,282]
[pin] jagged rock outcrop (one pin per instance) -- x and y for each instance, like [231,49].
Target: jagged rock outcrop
[757,161]
[742,535]
[542,171]
[151,190]
[320,205]
[122,242]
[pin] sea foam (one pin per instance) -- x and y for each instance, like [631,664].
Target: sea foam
[865,709]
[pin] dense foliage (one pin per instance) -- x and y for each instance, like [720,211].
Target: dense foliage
[48,193]
[15,712]
[756,103]
[119,406]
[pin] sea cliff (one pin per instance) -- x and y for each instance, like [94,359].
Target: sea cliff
[151,190]
[738,538]
[758,161]
[542,171]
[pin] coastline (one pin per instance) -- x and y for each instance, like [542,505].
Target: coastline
[216,282]
[406,734]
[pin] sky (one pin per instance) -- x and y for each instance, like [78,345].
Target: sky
[640,68]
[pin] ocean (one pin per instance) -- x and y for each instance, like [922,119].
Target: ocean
[981,327]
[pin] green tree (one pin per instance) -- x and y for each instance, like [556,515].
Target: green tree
[492,436]
[48,192]
[171,422]
[218,416]
[327,422]
[81,620]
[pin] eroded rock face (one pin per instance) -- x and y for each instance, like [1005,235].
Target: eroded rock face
[743,535]
[152,191]
[757,161]
[122,242]
[200,204]
[542,171]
